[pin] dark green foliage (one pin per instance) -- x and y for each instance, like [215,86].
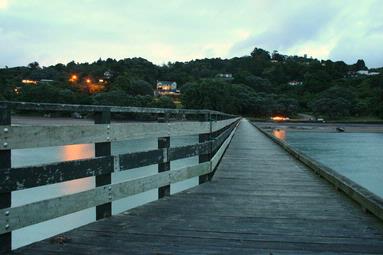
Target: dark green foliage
[260,84]
[121,98]
[132,87]
[235,98]
[360,65]
[335,102]
[163,102]
[51,93]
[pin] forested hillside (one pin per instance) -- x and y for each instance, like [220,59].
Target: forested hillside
[259,85]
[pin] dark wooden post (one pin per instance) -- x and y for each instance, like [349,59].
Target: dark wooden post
[103,149]
[5,198]
[205,157]
[164,143]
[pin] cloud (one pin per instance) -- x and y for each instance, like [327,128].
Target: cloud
[181,30]
[3,4]
[289,28]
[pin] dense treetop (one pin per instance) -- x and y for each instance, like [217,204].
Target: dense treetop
[261,84]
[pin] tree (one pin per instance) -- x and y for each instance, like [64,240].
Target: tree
[255,82]
[115,97]
[286,106]
[34,65]
[335,102]
[140,87]
[276,56]
[260,54]
[360,65]
[163,102]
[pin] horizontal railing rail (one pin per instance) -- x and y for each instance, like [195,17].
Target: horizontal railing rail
[13,179]
[214,137]
[31,106]
[20,137]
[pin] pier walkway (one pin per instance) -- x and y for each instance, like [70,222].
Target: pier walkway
[260,201]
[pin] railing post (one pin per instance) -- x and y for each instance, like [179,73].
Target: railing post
[164,143]
[206,157]
[103,149]
[5,198]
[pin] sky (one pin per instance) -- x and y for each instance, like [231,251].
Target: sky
[59,31]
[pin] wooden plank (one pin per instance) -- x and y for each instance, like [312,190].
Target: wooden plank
[103,149]
[190,172]
[217,157]
[140,159]
[19,137]
[25,215]
[13,179]
[205,137]
[217,125]
[187,128]
[96,108]
[164,144]
[5,196]
[188,150]
[217,142]
[136,186]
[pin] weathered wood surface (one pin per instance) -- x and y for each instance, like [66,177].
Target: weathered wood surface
[20,137]
[261,201]
[26,215]
[98,108]
[12,179]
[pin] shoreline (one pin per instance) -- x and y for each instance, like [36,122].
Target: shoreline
[321,127]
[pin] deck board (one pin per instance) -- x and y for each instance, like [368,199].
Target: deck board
[261,201]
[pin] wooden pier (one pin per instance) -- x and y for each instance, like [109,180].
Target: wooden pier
[261,200]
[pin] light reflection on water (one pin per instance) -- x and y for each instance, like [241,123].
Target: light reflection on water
[279,133]
[35,156]
[358,156]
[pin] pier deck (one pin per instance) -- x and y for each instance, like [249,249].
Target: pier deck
[260,201]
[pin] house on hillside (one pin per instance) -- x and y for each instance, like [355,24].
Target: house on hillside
[225,76]
[45,81]
[366,72]
[167,88]
[295,83]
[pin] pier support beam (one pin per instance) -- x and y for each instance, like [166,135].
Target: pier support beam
[5,198]
[103,149]
[164,143]
[205,157]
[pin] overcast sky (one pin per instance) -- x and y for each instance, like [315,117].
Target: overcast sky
[52,31]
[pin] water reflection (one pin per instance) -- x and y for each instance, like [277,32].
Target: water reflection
[77,151]
[279,133]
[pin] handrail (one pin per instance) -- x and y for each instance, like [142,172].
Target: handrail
[99,108]
[214,137]
[365,198]
[30,136]
[19,178]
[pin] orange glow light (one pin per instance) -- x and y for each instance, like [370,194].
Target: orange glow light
[73,78]
[279,118]
[29,82]
[88,81]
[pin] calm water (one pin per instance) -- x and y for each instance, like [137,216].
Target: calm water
[46,229]
[358,156]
